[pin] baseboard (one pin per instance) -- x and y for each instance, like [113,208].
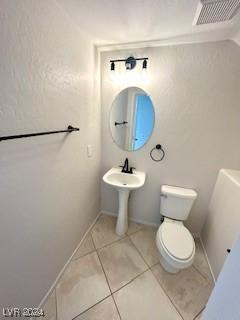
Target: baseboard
[146,223]
[66,264]
[205,253]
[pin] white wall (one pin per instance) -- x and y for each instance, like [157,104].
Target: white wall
[196,92]
[223,303]
[119,114]
[49,191]
[222,225]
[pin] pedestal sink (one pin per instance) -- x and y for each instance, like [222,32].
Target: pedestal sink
[124,183]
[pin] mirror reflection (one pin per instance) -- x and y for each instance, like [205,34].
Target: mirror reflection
[132,118]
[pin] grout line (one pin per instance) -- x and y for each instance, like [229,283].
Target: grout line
[126,284]
[116,307]
[112,292]
[107,280]
[83,255]
[171,300]
[199,313]
[110,295]
[134,232]
[108,244]
[91,306]
[103,270]
[141,254]
[56,303]
[144,226]
[204,276]
[120,237]
[150,268]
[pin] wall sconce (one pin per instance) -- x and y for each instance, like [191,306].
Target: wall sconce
[130,63]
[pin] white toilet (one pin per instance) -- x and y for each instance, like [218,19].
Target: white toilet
[174,241]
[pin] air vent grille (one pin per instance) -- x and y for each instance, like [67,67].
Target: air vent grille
[211,11]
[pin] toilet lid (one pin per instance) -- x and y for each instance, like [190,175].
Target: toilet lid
[177,240]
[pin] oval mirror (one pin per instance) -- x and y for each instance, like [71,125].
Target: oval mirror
[132,118]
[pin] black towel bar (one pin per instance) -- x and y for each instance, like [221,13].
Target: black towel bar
[27,135]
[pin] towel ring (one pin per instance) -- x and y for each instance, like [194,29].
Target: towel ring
[157,147]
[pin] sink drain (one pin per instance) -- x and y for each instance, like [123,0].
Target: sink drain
[124,184]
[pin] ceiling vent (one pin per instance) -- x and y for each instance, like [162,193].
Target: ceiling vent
[211,11]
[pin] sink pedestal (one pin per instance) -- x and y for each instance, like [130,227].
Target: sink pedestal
[124,183]
[122,220]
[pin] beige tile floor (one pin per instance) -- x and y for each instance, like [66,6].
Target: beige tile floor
[120,278]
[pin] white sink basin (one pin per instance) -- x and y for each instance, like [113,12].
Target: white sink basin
[121,180]
[124,183]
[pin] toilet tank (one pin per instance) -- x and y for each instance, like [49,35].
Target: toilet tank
[176,202]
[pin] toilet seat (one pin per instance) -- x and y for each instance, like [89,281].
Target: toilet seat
[177,240]
[176,246]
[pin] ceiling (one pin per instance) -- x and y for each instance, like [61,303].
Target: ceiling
[130,21]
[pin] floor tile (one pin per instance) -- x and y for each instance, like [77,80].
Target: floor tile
[145,242]
[82,285]
[105,310]
[200,261]
[121,262]
[144,299]
[134,227]
[188,290]
[103,232]
[49,308]
[86,247]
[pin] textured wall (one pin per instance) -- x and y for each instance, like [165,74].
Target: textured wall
[196,92]
[49,191]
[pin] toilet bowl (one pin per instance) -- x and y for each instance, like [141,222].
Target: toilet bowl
[174,241]
[176,246]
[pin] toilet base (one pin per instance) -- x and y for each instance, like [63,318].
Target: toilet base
[166,266]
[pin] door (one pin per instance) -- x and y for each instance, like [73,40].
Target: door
[144,120]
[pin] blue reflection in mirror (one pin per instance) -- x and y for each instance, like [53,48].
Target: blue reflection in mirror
[132,118]
[144,120]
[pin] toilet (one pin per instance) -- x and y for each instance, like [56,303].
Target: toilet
[174,241]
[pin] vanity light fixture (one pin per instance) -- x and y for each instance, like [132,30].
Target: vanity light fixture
[130,63]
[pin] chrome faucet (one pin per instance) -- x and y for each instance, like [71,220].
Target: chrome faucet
[125,167]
